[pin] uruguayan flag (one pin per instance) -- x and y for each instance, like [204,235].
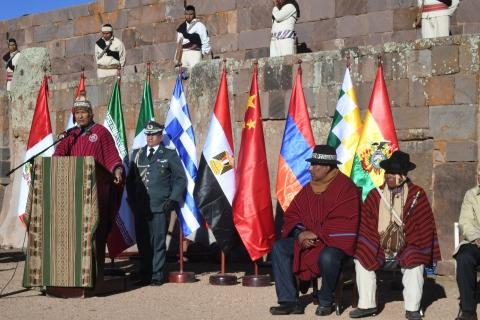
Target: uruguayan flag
[179,135]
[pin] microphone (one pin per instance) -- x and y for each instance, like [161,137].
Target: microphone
[66,133]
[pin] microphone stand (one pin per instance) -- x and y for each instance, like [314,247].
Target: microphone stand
[61,137]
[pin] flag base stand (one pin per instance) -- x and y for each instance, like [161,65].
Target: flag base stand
[181,277]
[258,280]
[223,279]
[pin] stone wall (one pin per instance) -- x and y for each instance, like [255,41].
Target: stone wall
[433,84]
[238,28]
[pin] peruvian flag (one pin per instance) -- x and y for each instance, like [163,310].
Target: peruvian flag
[40,138]
[252,205]
[215,185]
[80,91]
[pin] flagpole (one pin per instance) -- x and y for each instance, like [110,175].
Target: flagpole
[149,72]
[180,276]
[256,280]
[223,278]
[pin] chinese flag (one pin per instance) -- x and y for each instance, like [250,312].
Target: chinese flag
[252,204]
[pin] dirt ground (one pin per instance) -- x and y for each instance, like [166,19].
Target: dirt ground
[199,300]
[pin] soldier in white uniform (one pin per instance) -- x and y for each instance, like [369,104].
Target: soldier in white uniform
[284,16]
[436,17]
[109,53]
[192,40]
[11,60]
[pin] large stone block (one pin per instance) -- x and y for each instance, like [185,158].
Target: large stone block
[394,66]
[56,49]
[224,43]
[380,21]
[419,63]
[161,51]
[322,31]
[403,18]
[273,102]
[87,24]
[128,38]
[376,5]
[395,4]
[77,11]
[453,122]
[350,8]
[75,46]
[146,14]
[112,5]
[216,23]
[466,89]
[440,90]
[130,4]
[45,32]
[468,11]
[208,7]
[254,39]
[90,41]
[251,3]
[404,36]
[118,19]
[445,59]
[410,118]
[277,77]
[398,92]
[416,94]
[239,104]
[352,26]
[464,151]
[65,29]
[421,153]
[313,10]
[134,56]
[452,180]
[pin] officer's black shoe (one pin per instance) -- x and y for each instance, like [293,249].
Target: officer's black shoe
[287,308]
[157,282]
[413,315]
[324,310]
[464,315]
[142,283]
[360,313]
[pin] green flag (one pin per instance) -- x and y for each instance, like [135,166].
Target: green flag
[145,115]
[122,235]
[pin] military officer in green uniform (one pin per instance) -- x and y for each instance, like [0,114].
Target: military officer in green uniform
[156,183]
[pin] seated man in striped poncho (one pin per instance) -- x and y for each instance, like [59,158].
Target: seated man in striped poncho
[405,204]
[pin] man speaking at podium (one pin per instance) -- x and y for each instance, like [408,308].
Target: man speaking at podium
[92,139]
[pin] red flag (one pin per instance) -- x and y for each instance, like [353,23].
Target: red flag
[80,91]
[40,137]
[252,205]
[81,86]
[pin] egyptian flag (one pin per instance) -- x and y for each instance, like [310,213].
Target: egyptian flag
[215,186]
[40,138]
[252,205]
[377,141]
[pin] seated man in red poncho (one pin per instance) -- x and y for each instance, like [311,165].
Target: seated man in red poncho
[403,203]
[319,232]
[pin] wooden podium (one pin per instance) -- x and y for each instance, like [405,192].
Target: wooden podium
[66,231]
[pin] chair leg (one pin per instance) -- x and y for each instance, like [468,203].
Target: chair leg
[354,291]
[339,294]
[315,291]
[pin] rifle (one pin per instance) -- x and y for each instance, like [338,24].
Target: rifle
[418,18]
[101,54]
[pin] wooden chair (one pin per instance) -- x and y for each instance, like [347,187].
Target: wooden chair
[346,277]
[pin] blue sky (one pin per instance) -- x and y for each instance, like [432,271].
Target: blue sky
[16,8]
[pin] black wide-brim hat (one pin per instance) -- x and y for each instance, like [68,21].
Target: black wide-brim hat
[399,162]
[324,154]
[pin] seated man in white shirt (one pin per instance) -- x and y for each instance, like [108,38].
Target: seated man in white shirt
[109,53]
[192,40]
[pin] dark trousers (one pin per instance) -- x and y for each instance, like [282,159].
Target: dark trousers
[468,258]
[330,263]
[151,235]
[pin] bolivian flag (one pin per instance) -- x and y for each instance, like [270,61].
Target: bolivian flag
[377,141]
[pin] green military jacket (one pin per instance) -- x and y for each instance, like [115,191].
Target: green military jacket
[150,182]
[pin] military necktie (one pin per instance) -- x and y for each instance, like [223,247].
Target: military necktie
[150,153]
